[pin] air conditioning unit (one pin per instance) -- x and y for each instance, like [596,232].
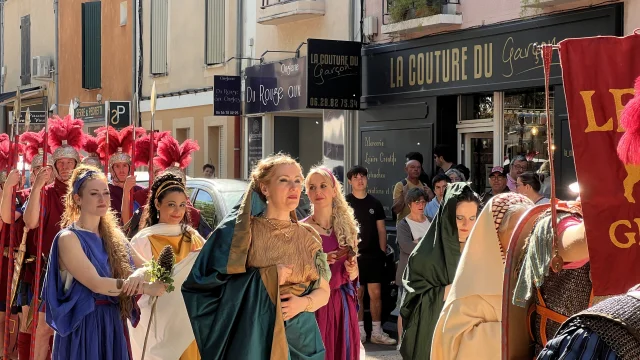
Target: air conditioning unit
[370,26]
[41,66]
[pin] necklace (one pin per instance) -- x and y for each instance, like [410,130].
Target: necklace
[286,234]
[327,230]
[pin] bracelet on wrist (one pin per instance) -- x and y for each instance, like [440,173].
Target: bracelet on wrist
[309,304]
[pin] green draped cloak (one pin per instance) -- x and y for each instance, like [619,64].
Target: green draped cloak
[235,310]
[431,267]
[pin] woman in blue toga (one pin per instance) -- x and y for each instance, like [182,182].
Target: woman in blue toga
[90,279]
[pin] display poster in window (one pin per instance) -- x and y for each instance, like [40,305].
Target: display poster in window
[609,188]
[254,142]
[333,142]
[334,74]
[226,95]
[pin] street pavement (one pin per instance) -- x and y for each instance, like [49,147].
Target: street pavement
[381,352]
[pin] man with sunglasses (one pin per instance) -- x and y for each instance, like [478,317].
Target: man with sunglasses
[498,182]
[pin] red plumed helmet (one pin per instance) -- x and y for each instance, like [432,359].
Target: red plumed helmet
[65,137]
[175,157]
[91,146]
[143,147]
[5,156]
[629,145]
[33,146]
[120,143]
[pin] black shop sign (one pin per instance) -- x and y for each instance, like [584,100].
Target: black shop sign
[278,86]
[491,58]
[226,95]
[334,80]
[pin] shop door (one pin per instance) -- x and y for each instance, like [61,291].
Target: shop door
[478,157]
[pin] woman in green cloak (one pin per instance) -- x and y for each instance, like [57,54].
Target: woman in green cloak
[260,277]
[432,268]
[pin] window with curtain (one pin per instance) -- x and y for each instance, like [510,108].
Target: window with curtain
[214,38]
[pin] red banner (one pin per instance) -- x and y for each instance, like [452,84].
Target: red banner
[598,75]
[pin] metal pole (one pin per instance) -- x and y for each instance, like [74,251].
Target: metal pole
[57,45]
[134,63]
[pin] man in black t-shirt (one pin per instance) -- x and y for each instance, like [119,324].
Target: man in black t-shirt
[372,252]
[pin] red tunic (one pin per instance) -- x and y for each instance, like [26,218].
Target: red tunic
[54,208]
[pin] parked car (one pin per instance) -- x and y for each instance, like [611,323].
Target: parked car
[215,197]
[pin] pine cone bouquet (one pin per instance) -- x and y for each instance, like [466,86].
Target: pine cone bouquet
[162,269]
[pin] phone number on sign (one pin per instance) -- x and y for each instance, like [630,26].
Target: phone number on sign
[236,113]
[334,103]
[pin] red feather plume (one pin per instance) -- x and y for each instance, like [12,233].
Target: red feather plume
[629,145]
[68,129]
[91,144]
[32,142]
[171,152]
[143,147]
[117,139]
[5,161]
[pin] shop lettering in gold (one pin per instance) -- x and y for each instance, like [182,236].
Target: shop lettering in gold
[441,66]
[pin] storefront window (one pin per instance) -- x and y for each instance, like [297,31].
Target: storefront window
[525,127]
[476,106]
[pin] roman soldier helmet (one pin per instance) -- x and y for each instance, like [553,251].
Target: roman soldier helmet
[120,143]
[34,149]
[143,147]
[173,157]
[91,146]
[5,157]
[630,120]
[66,138]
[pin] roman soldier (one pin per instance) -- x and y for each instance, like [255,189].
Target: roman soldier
[174,158]
[117,146]
[91,147]
[65,139]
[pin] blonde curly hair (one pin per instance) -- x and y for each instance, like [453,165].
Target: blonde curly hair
[262,172]
[342,217]
[115,242]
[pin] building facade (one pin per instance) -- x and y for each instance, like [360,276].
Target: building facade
[27,59]
[279,116]
[96,60]
[470,76]
[184,45]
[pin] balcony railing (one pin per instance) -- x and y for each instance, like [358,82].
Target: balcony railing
[406,16]
[395,11]
[276,12]
[267,3]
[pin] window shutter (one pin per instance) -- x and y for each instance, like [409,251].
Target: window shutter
[215,16]
[159,34]
[25,50]
[91,45]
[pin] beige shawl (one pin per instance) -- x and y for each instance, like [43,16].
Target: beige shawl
[469,326]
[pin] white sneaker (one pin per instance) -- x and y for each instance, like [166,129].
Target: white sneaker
[382,339]
[363,336]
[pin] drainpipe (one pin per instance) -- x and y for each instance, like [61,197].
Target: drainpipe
[56,69]
[237,120]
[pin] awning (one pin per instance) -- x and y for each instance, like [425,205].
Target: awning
[28,93]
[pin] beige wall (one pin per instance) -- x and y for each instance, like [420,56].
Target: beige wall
[187,70]
[186,46]
[198,120]
[288,36]
[477,13]
[42,37]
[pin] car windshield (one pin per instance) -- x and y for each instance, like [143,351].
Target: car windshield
[232,198]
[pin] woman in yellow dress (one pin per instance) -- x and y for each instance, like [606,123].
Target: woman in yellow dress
[165,223]
[260,277]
